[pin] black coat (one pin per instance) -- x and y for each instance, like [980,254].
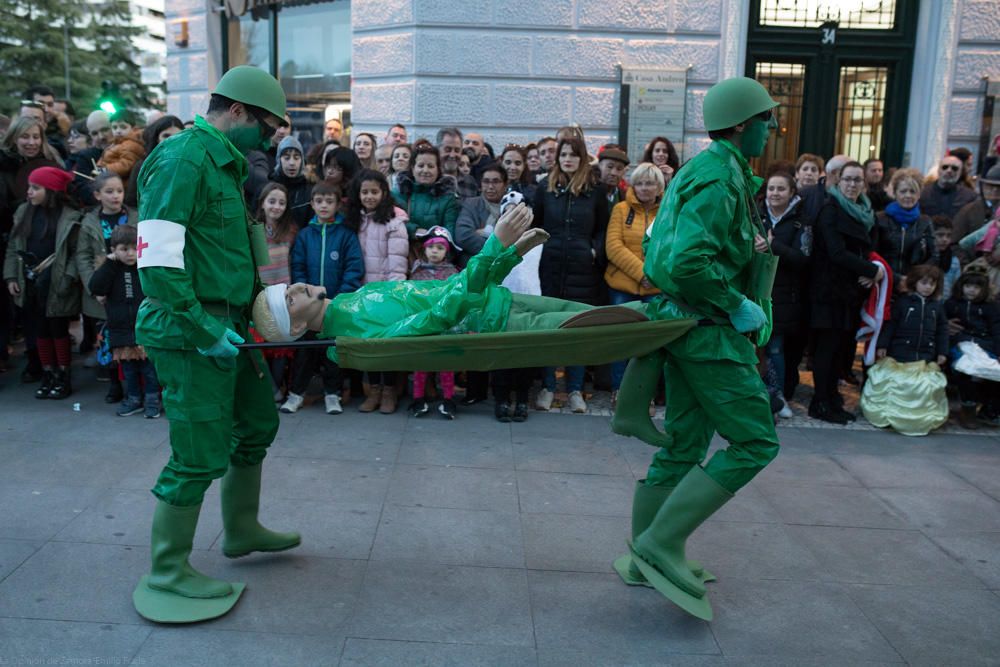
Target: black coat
[980,321]
[573,259]
[916,331]
[937,201]
[903,248]
[299,197]
[841,246]
[792,244]
[120,284]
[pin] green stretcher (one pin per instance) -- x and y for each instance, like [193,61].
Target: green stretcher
[511,349]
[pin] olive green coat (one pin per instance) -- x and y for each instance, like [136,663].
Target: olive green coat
[91,253]
[65,292]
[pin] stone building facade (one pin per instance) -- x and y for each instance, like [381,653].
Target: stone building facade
[518,69]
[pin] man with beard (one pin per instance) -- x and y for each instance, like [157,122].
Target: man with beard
[948,194]
[449,143]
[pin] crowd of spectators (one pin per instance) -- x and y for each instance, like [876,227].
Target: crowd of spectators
[394,206]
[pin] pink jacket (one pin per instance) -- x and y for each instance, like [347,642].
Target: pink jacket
[385,247]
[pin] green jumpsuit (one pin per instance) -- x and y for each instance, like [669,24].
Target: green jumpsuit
[199,276]
[699,253]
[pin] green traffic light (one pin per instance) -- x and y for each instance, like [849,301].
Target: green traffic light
[109,107]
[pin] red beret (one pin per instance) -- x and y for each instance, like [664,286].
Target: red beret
[51,178]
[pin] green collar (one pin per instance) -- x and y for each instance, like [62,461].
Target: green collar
[725,148]
[220,149]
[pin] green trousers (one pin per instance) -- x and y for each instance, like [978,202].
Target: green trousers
[537,313]
[221,413]
[706,396]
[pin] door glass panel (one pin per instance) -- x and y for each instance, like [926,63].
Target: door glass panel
[860,111]
[849,14]
[786,83]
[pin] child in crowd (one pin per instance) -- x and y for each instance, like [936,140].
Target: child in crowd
[280,229]
[325,253]
[434,264]
[385,247]
[944,257]
[973,316]
[289,171]
[116,282]
[40,274]
[94,246]
[126,147]
[906,388]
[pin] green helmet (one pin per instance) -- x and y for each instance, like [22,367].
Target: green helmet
[732,101]
[253,86]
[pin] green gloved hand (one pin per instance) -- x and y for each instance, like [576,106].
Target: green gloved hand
[225,347]
[748,317]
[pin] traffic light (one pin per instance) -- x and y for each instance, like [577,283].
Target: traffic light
[110,100]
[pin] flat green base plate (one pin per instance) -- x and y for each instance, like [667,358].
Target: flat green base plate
[163,607]
[622,563]
[698,607]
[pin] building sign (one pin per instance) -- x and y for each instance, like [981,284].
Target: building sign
[652,105]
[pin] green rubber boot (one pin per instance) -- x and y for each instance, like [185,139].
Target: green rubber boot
[645,504]
[638,388]
[173,591]
[659,550]
[243,534]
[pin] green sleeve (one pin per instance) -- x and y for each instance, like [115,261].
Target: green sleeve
[686,254]
[88,247]
[490,265]
[170,189]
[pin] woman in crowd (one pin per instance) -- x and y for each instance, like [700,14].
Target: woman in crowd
[425,194]
[661,152]
[573,208]
[841,278]
[534,160]
[808,169]
[791,240]
[514,160]
[626,230]
[340,166]
[364,148]
[164,128]
[22,150]
[905,236]
[399,162]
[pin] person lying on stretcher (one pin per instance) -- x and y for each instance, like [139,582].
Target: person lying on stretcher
[472,301]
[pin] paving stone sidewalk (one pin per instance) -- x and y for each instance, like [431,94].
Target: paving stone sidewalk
[427,542]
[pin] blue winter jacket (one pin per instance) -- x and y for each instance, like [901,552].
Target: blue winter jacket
[328,254]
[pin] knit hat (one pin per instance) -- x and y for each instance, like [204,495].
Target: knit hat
[286,144]
[97,120]
[436,233]
[51,178]
[613,153]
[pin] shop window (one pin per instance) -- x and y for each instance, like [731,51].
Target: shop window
[314,64]
[248,42]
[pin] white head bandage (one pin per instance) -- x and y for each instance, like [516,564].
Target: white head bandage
[279,310]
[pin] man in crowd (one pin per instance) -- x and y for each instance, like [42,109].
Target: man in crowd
[99,127]
[947,195]
[44,96]
[547,154]
[978,212]
[396,135]
[333,130]
[449,144]
[474,141]
[612,162]
[874,177]
[814,196]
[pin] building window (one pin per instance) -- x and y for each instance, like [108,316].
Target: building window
[849,14]
[314,65]
[248,42]
[786,83]
[860,111]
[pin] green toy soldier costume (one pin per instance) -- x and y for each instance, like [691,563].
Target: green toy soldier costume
[701,254]
[197,269]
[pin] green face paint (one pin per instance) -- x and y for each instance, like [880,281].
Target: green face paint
[755,136]
[247,138]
